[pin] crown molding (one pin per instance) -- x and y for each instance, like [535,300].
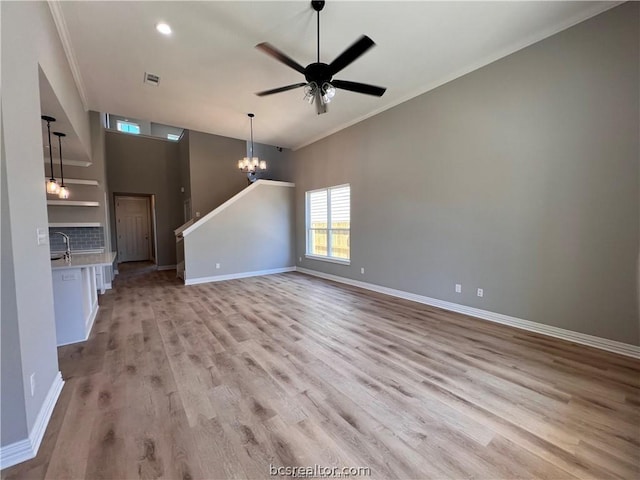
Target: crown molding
[61,25]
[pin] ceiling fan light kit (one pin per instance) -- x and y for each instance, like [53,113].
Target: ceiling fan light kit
[320,87]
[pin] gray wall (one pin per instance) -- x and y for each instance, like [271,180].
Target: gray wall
[13,418]
[146,165]
[254,233]
[520,178]
[99,159]
[279,163]
[185,175]
[213,165]
[30,41]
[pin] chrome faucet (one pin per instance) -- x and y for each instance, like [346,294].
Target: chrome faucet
[67,241]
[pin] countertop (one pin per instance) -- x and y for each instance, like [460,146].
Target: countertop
[79,260]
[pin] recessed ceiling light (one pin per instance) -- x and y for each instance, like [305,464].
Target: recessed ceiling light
[163,28]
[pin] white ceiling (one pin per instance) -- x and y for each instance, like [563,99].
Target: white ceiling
[210,69]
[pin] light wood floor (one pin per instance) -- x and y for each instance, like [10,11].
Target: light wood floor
[222,380]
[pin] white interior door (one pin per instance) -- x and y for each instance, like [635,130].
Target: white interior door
[132,228]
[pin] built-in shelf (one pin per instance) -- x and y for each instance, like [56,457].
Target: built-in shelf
[73,163]
[72,203]
[76,224]
[78,181]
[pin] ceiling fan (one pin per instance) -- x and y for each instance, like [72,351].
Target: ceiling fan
[320,87]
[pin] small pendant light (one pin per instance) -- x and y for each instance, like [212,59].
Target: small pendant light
[64,191]
[52,186]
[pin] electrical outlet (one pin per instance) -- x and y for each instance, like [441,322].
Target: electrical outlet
[197,214]
[300,259]
[480,292]
[217,265]
[458,288]
[33,384]
[362,270]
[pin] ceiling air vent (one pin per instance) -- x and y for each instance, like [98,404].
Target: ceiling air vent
[151,79]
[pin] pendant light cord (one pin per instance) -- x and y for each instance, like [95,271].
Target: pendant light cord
[318,36]
[251,117]
[61,174]
[50,150]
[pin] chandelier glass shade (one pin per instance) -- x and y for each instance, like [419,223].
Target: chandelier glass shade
[252,164]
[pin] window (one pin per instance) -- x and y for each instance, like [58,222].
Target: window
[128,127]
[173,137]
[329,223]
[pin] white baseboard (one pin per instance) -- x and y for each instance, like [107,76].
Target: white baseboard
[42,420]
[569,335]
[233,276]
[166,267]
[26,449]
[15,453]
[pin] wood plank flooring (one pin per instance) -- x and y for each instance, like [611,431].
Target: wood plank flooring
[225,379]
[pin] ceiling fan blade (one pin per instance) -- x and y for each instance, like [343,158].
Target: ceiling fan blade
[359,87]
[281,89]
[278,55]
[321,107]
[361,45]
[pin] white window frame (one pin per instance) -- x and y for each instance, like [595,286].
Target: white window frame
[328,257]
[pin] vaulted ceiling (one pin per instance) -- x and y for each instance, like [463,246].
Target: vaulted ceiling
[209,69]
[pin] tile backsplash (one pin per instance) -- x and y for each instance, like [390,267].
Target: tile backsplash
[82,238]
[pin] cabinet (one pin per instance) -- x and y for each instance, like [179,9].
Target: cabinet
[75,299]
[75,293]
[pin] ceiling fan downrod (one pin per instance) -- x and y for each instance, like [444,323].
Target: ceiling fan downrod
[318,5]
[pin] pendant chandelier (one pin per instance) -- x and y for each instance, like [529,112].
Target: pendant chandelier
[64,191]
[52,185]
[251,164]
